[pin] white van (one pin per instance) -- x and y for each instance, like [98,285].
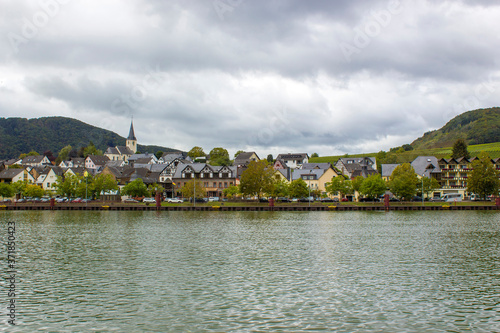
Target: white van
[452,197]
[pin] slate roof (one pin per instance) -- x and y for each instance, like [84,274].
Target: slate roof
[387,169]
[10,173]
[290,156]
[131,134]
[119,150]
[323,166]
[244,158]
[298,173]
[32,159]
[426,165]
[98,160]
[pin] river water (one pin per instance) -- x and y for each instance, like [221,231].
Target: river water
[254,271]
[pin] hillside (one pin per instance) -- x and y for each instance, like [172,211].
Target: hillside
[21,135]
[476,127]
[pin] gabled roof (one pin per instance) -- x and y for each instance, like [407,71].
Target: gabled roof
[32,159]
[323,166]
[10,173]
[298,173]
[244,157]
[425,165]
[98,159]
[119,150]
[387,169]
[291,156]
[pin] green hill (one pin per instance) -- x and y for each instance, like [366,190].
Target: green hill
[476,127]
[21,135]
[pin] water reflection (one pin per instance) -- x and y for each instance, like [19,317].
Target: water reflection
[260,271]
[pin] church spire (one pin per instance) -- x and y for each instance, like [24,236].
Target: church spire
[131,134]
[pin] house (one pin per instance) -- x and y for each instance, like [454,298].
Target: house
[213,178]
[16,174]
[74,162]
[245,158]
[354,167]
[387,170]
[293,161]
[38,160]
[118,153]
[48,177]
[316,176]
[170,156]
[94,162]
[146,158]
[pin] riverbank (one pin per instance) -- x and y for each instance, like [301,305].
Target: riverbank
[224,207]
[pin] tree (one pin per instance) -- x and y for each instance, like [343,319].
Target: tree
[238,152]
[313,155]
[257,179]
[430,184]
[19,186]
[103,183]
[159,154]
[403,181]
[152,188]
[407,147]
[31,153]
[281,189]
[270,158]
[34,191]
[483,180]
[6,190]
[67,185]
[460,149]
[219,156]
[357,182]
[339,185]
[193,188]
[298,189]
[91,150]
[135,188]
[373,186]
[196,152]
[64,154]
[231,191]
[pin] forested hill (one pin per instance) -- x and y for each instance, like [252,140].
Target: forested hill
[21,135]
[476,127]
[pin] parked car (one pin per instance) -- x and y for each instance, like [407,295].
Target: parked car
[212,199]
[130,200]
[149,200]
[60,200]
[44,199]
[283,199]
[308,199]
[21,200]
[345,199]
[416,199]
[86,200]
[263,200]
[174,200]
[7,200]
[77,200]
[436,199]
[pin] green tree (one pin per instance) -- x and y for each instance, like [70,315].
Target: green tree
[196,152]
[281,189]
[159,154]
[460,149]
[67,185]
[257,179]
[403,181]
[103,183]
[63,154]
[407,147]
[313,155]
[6,190]
[135,188]
[357,182]
[430,185]
[373,186]
[238,152]
[270,158]
[219,156]
[231,191]
[91,150]
[483,180]
[20,186]
[339,185]
[298,189]
[193,188]
[31,153]
[152,188]
[34,191]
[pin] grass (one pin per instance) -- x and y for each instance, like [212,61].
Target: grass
[493,149]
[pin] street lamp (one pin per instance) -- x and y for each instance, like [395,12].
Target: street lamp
[423,188]
[309,198]
[86,174]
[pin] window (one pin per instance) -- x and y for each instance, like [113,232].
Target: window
[215,184]
[225,184]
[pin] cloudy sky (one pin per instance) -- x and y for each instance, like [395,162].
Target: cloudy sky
[273,76]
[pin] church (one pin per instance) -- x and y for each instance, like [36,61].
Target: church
[123,153]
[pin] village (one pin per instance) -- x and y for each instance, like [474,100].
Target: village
[173,171]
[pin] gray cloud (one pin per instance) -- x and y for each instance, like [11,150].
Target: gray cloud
[266,75]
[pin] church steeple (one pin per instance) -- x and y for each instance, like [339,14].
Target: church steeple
[132,140]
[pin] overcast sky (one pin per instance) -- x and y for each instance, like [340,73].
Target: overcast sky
[330,77]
